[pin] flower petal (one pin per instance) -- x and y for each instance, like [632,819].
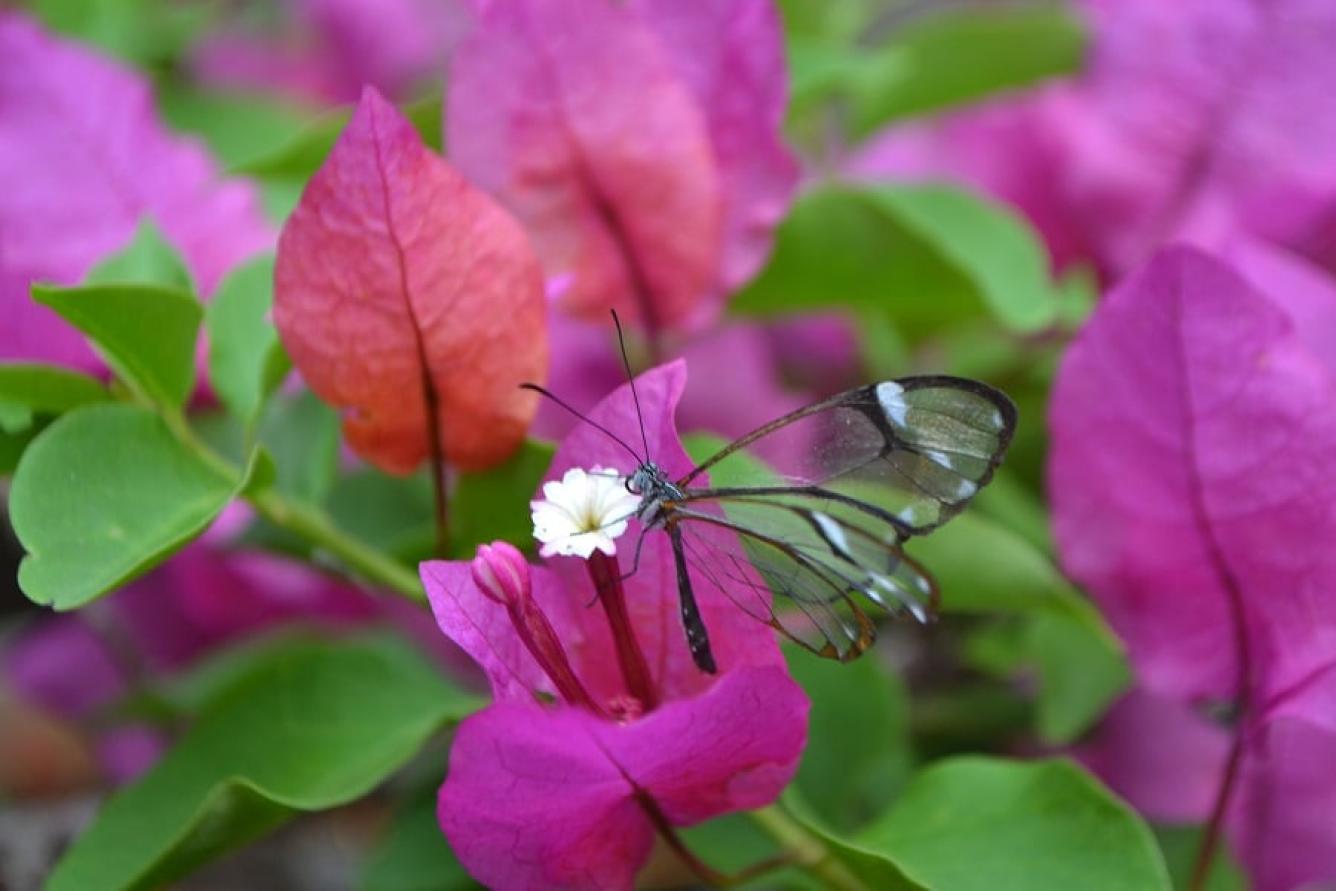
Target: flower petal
[544,799]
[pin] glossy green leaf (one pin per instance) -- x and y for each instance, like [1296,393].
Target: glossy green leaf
[103,495]
[146,333]
[494,504]
[246,360]
[147,260]
[926,256]
[847,777]
[983,824]
[48,389]
[849,862]
[320,727]
[920,68]
[414,856]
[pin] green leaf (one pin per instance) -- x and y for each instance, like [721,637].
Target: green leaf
[494,504]
[414,856]
[15,418]
[103,495]
[246,360]
[928,256]
[301,156]
[316,729]
[854,863]
[12,446]
[150,33]
[390,513]
[146,332]
[238,126]
[147,260]
[1179,844]
[849,777]
[984,567]
[48,389]
[302,435]
[993,825]
[920,69]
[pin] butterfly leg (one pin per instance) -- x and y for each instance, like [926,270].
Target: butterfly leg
[635,561]
[698,639]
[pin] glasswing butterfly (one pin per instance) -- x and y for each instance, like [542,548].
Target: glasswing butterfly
[820,503]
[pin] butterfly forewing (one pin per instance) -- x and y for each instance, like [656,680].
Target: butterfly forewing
[819,502]
[915,450]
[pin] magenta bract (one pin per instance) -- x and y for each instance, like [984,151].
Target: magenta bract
[85,158]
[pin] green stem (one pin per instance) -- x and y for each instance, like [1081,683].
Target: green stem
[307,522]
[314,526]
[807,849]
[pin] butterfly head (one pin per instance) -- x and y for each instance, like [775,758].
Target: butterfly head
[652,484]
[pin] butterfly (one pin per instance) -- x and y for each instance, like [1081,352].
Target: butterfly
[817,505]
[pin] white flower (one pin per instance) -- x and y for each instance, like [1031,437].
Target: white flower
[583,512]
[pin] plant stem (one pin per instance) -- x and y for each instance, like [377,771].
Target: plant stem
[807,850]
[307,522]
[314,526]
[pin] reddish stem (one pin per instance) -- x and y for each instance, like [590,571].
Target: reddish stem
[540,639]
[607,576]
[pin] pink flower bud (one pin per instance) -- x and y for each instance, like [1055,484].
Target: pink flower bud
[501,572]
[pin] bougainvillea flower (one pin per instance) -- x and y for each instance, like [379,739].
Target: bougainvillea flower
[1193,482]
[1188,114]
[411,300]
[326,50]
[85,158]
[639,144]
[567,794]
[1167,761]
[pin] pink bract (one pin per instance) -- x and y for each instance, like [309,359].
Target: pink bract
[1193,481]
[411,300]
[639,145]
[85,158]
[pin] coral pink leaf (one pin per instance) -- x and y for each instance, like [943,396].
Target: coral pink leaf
[1193,479]
[572,113]
[411,300]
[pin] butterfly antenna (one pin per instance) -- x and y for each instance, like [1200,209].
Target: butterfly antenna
[543,391]
[626,363]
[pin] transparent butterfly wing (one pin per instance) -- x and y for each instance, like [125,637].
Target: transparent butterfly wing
[818,503]
[914,451]
[817,580]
